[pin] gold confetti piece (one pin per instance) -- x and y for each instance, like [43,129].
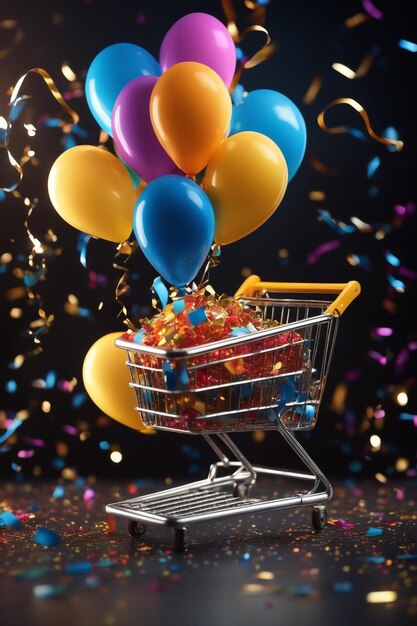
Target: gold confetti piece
[11,26]
[317,196]
[265,575]
[321,167]
[378,597]
[381,478]
[356,20]
[336,130]
[313,90]
[363,69]
[67,72]
[235,366]
[338,401]
[46,406]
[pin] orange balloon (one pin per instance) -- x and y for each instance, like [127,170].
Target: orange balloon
[106,379]
[245,181]
[190,110]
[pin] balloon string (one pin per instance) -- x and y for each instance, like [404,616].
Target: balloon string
[15,99]
[125,249]
[265,52]
[346,129]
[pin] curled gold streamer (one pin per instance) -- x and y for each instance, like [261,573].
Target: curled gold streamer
[126,249]
[268,48]
[336,130]
[15,98]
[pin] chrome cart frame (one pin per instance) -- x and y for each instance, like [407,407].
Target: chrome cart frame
[271,379]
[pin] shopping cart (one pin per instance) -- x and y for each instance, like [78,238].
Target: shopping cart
[271,379]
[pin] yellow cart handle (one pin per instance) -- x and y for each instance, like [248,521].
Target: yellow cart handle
[347,291]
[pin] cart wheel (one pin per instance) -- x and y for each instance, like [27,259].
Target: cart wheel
[136,529]
[240,490]
[319,517]
[181,539]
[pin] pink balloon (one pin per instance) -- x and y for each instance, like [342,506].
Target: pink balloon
[133,134]
[201,38]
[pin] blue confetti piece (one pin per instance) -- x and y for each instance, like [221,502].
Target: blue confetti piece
[198,316]
[52,122]
[106,563]
[302,590]
[79,567]
[239,54]
[138,337]
[396,283]
[50,379]
[48,591]
[245,557]
[171,378]
[410,46]
[161,291]
[58,463]
[391,133]
[372,166]
[11,386]
[14,426]
[58,492]
[241,330]
[310,412]
[78,400]
[178,306]
[343,587]
[82,244]
[372,559]
[184,378]
[104,445]
[9,519]
[355,466]
[374,532]
[392,259]
[69,141]
[339,227]
[2,193]
[407,556]
[46,537]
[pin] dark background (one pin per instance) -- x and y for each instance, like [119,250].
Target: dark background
[310,37]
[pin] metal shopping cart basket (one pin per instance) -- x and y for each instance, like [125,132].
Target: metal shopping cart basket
[271,379]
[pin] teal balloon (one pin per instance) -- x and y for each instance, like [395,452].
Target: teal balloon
[174,225]
[111,70]
[276,116]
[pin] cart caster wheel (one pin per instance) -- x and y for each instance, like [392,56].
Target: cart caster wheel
[181,539]
[136,529]
[319,517]
[240,490]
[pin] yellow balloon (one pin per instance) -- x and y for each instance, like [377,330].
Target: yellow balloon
[106,379]
[92,190]
[245,181]
[190,110]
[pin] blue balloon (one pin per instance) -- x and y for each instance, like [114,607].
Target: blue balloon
[276,116]
[111,70]
[174,225]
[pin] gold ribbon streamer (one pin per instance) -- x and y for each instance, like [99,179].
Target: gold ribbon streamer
[18,36]
[266,50]
[212,261]
[15,98]
[125,249]
[336,130]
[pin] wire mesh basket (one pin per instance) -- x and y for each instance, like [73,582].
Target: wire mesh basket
[241,383]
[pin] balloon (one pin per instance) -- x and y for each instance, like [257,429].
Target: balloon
[202,38]
[190,112]
[174,225]
[133,134]
[92,190]
[110,71]
[274,115]
[246,181]
[106,379]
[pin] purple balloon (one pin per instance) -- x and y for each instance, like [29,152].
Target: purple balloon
[201,38]
[133,134]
